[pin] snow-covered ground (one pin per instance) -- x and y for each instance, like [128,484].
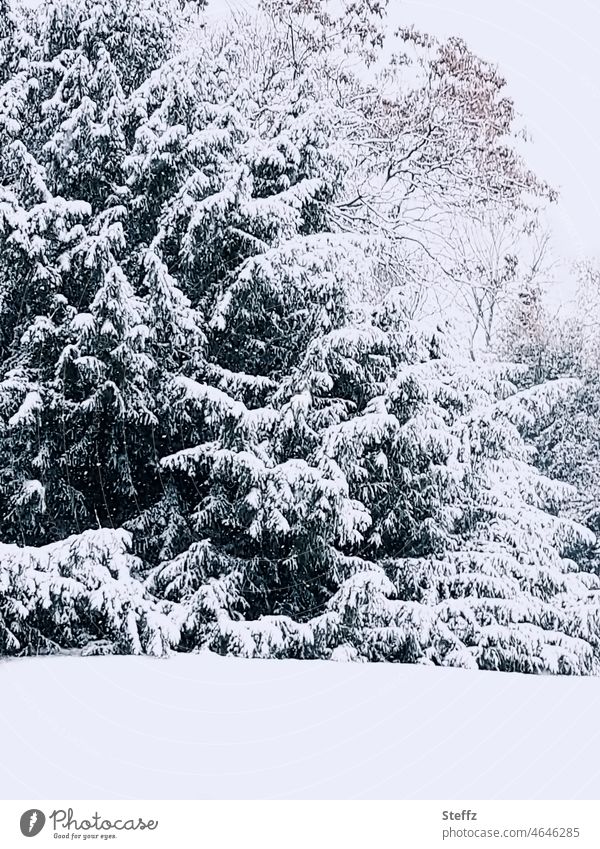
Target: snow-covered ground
[201,726]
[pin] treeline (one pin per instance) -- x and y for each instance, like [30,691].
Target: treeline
[226,420]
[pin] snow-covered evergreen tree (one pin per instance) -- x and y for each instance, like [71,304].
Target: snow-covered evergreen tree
[79,381]
[554,345]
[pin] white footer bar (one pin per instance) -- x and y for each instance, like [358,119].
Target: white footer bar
[301,824]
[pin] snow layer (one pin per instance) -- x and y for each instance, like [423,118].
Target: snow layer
[206,727]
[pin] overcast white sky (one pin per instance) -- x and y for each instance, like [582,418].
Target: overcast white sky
[549,53]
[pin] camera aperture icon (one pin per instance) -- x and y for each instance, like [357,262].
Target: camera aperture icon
[32,822]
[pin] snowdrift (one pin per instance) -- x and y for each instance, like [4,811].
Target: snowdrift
[205,727]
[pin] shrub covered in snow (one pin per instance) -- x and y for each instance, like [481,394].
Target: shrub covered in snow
[80,593]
